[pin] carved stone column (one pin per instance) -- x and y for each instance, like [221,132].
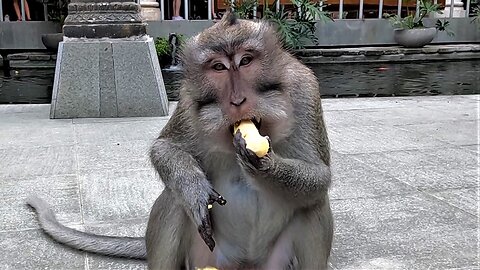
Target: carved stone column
[106,65]
[150,10]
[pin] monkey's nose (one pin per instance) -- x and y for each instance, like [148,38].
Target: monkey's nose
[238,101]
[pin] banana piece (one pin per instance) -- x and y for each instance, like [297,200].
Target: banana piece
[255,142]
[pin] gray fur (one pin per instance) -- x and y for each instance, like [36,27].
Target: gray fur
[277,214]
[128,247]
[284,201]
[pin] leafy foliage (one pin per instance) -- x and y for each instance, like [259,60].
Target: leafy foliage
[57,10]
[476,15]
[416,20]
[162,45]
[296,29]
[243,9]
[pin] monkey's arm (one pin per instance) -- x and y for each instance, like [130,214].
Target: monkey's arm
[304,182]
[182,174]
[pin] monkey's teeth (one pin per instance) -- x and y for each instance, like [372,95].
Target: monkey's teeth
[256,122]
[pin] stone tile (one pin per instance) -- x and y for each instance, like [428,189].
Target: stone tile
[465,132]
[131,228]
[76,87]
[428,169]
[40,109]
[474,148]
[172,105]
[465,198]
[61,192]
[28,119]
[32,249]
[37,161]
[118,195]
[367,103]
[139,83]
[347,118]
[108,95]
[123,155]
[367,139]
[100,133]
[403,232]
[350,179]
[418,115]
[35,135]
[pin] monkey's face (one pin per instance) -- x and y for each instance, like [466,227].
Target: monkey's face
[235,72]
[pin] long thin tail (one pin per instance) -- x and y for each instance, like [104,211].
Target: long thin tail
[127,247]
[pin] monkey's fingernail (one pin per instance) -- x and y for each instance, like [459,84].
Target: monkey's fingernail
[221,200]
[211,244]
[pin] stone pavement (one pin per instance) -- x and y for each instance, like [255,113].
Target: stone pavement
[405,191]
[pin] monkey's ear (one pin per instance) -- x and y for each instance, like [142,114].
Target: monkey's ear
[229,18]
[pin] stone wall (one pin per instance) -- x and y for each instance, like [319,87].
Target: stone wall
[18,35]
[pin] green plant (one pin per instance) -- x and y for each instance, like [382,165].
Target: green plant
[296,29]
[476,15]
[57,10]
[416,20]
[162,47]
[243,9]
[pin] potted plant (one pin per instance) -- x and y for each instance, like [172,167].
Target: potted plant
[57,12]
[411,31]
[167,48]
[295,27]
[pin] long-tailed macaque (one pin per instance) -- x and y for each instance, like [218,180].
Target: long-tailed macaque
[273,212]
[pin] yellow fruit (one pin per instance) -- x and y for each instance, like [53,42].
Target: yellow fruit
[255,142]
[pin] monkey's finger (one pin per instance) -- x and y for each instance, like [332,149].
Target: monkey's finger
[205,231]
[217,198]
[269,144]
[239,141]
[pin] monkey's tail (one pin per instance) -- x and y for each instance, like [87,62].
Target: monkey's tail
[127,247]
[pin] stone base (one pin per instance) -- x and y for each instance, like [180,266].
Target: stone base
[108,78]
[150,13]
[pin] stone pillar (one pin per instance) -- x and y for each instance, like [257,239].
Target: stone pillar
[458,10]
[106,65]
[150,10]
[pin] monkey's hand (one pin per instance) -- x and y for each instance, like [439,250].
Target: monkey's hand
[201,216]
[248,159]
[182,174]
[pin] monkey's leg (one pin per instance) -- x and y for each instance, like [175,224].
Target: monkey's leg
[172,239]
[305,243]
[313,240]
[169,234]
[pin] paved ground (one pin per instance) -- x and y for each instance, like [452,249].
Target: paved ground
[405,193]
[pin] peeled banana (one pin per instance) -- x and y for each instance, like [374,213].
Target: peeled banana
[255,142]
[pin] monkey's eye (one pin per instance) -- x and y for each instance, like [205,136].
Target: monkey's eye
[246,60]
[219,67]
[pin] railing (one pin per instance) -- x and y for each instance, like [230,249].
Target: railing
[380,6]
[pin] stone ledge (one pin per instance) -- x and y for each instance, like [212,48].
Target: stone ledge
[390,54]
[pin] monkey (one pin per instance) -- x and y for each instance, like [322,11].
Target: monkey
[272,212]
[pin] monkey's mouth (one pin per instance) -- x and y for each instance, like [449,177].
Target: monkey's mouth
[256,121]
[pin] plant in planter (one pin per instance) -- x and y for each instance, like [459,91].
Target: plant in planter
[296,28]
[476,16]
[57,12]
[163,47]
[410,31]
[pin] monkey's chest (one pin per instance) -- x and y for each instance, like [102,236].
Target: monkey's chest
[247,226]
